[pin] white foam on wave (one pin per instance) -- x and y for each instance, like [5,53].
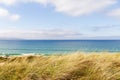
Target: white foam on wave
[28,54]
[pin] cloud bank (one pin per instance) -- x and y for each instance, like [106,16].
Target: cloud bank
[40,34]
[53,34]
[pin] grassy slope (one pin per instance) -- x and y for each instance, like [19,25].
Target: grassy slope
[77,66]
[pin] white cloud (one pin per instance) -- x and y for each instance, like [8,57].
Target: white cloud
[6,14]
[3,12]
[44,2]
[13,2]
[114,13]
[70,7]
[81,7]
[8,2]
[15,17]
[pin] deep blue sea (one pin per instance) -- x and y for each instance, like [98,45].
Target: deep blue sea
[57,46]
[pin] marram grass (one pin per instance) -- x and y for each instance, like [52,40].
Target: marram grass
[75,66]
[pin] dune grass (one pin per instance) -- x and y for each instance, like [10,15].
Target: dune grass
[75,66]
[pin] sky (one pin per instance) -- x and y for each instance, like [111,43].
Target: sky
[60,19]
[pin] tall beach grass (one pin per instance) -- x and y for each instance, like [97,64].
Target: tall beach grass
[75,66]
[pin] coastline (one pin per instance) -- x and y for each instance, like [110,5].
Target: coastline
[64,53]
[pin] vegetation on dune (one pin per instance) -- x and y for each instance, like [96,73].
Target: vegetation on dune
[77,66]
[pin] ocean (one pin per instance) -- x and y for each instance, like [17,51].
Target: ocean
[18,47]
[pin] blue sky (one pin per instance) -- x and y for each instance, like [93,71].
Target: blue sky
[60,19]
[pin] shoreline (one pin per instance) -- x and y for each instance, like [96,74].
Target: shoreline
[65,53]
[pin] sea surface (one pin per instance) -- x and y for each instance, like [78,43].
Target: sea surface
[17,47]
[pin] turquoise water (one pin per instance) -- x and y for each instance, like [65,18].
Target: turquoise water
[57,46]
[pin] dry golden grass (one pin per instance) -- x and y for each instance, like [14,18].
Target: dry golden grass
[75,66]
